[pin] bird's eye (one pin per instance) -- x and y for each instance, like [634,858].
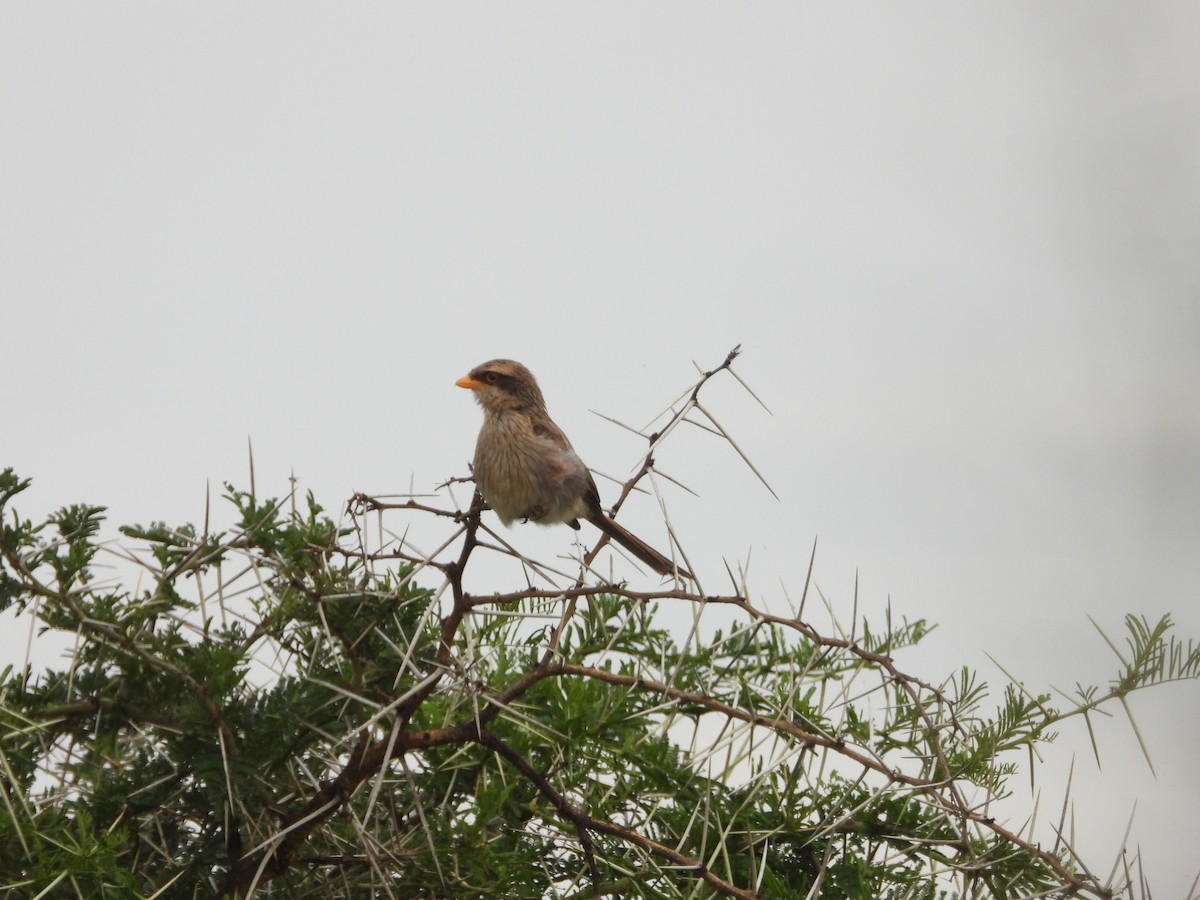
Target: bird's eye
[491,377]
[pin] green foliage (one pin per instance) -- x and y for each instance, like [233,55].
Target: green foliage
[276,710]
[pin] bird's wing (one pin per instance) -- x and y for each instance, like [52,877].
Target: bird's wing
[546,431]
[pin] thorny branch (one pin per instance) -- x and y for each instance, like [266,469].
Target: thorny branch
[448,666]
[370,756]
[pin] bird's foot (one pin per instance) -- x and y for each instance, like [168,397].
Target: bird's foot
[533,514]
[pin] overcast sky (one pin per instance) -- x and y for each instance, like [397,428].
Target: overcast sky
[959,243]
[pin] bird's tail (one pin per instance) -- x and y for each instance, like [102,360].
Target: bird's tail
[638,547]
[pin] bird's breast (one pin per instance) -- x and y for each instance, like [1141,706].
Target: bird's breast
[522,474]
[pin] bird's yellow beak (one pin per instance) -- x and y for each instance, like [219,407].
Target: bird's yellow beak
[468,382]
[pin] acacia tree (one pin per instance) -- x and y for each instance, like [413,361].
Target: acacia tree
[298,708]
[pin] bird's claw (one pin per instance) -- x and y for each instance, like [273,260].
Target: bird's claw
[532,515]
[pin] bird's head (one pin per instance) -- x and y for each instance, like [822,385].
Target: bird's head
[503,384]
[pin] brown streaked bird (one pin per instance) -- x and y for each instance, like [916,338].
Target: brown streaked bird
[525,467]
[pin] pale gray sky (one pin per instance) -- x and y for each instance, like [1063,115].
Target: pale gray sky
[958,243]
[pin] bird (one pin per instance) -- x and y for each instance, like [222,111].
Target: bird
[525,467]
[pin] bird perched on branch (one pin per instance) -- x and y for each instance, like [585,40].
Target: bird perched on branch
[525,467]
